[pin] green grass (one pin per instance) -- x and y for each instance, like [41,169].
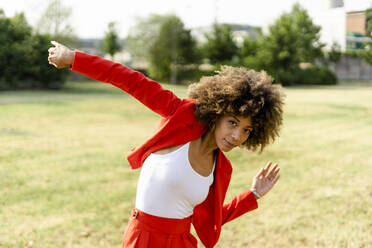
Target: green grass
[65,182]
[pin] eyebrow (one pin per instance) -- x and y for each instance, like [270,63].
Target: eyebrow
[239,120]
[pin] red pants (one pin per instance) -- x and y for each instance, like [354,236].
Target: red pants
[148,231]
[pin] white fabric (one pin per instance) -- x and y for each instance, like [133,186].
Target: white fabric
[169,187]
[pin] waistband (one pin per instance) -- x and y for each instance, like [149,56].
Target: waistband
[166,225]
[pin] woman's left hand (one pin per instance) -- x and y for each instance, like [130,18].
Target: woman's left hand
[266,179]
[60,56]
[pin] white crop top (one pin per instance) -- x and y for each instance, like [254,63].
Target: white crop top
[169,187]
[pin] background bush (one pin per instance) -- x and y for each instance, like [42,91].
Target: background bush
[315,75]
[24,57]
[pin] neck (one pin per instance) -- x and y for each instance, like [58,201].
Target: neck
[208,144]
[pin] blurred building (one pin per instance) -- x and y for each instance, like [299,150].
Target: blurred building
[356,23]
[348,28]
[332,22]
[343,26]
[91,46]
[335,4]
[94,46]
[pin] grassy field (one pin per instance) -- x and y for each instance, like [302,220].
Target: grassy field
[65,182]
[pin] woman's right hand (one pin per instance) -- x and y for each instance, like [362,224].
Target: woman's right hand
[60,56]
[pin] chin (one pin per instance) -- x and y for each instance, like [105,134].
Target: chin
[229,149]
[225,148]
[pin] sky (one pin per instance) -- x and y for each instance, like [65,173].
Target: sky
[89,18]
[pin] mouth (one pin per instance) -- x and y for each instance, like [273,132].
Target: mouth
[229,144]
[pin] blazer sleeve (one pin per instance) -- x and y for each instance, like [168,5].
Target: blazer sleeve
[241,204]
[147,91]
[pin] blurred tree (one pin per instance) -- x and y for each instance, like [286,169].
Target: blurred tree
[23,56]
[308,43]
[172,49]
[220,46]
[248,53]
[292,39]
[4,39]
[369,22]
[55,22]
[111,43]
[143,34]
[249,47]
[37,72]
[367,53]
[12,32]
[334,55]
[20,28]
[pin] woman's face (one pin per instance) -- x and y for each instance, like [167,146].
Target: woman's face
[231,131]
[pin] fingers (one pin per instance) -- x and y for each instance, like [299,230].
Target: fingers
[269,174]
[266,169]
[263,171]
[51,61]
[259,173]
[276,179]
[51,57]
[51,51]
[53,54]
[55,43]
[268,165]
[274,171]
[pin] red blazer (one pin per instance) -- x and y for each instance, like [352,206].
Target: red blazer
[178,126]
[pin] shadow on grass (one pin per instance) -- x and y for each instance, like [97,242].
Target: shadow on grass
[340,85]
[75,91]
[90,87]
[70,87]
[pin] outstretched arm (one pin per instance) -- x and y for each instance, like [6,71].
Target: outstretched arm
[147,91]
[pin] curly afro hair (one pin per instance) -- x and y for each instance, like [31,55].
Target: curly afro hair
[245,93]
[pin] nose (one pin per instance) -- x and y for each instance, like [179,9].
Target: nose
[235,135]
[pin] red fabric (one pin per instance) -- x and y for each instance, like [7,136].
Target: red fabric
[178,126]
[148,231]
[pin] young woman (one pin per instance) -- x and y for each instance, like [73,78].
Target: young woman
[185,174]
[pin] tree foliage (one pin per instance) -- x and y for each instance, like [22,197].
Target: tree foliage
[23,56]
[248,53]
[171,50]
[369,22]
[367,54]
[334,55]
[143,34]
[249,47]
[292,39]
[220,46]
[293,43]
[111,42]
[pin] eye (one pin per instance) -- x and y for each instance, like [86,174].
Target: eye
[232,122]
[248,130]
